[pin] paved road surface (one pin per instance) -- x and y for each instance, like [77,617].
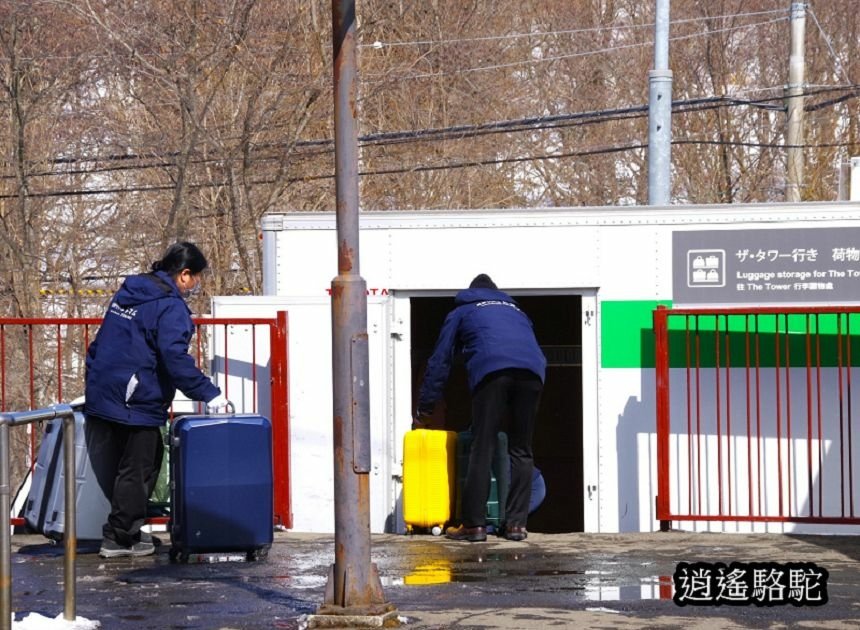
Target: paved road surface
[558,581]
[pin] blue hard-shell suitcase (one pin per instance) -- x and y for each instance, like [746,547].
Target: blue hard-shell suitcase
[221,486]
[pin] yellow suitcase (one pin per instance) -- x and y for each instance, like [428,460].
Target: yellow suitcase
[429,478]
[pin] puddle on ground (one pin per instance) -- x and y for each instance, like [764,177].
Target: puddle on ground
[629,593]
[300,581]
[591,585]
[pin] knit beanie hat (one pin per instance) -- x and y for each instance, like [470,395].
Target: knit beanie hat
[483,281]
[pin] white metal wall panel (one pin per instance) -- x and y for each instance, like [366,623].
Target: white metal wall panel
[310,373]
[624,251]
[610,253]
[524,257]
[400,392]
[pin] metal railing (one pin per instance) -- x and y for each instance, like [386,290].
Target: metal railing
[42,363]
[8,420]
[755,415]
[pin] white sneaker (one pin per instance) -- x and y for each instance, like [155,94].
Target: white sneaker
[112,549]
[149,538]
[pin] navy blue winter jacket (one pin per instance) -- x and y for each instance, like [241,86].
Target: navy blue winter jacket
[493,334]
[139,357]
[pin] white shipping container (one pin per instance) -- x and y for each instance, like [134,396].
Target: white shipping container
[588,277]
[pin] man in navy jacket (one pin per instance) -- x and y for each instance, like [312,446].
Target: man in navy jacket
[506,370]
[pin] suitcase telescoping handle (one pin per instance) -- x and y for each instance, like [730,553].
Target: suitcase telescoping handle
[231,410]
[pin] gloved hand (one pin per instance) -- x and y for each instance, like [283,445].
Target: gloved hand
[421,420]
[219,404]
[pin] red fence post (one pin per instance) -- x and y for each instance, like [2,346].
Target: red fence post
[281,420]
[661,373]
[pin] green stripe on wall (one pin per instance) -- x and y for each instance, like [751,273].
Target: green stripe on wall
[626,333]
[627,338]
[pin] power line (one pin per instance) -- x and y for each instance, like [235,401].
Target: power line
[829,45]
[532,123]
[829,103]
[561,120]
[588,53]
[589,153]
[430,42]
[540,123]
[435,167]
[531,34]
[764,145]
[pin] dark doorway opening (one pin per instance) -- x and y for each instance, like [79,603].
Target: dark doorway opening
[558,444]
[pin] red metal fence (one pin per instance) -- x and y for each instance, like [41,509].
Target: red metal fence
[42,363]
[755,415]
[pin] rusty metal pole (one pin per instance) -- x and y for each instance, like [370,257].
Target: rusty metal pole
[70,533]
[8,420]
[353,585]
[5,533]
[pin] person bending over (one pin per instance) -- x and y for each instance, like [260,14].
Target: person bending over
[506,370]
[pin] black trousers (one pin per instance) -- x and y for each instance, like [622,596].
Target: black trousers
[126,461]
[515,393]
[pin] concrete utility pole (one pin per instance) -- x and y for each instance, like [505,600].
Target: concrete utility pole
[660,113]
[353,590]
[854,191]
[794,98]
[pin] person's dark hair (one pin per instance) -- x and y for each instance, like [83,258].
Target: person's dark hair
[179,256]
[483,281]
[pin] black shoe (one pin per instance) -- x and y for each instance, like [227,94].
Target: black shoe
[515,533]
[472,534]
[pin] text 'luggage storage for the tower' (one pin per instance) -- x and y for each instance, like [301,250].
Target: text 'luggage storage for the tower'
[221,486]
[429,468]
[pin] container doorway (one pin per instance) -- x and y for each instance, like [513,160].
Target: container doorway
[558,446]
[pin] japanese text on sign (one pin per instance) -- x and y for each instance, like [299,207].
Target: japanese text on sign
[766,266]
[797,255]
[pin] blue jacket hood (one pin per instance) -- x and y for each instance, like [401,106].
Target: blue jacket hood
[137,290]
[467,296]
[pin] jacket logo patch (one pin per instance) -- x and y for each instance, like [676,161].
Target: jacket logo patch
[125,313]
[496,303]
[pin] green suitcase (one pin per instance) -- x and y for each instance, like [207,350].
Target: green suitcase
[500,476]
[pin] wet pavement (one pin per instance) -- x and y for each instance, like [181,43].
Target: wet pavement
[558,580]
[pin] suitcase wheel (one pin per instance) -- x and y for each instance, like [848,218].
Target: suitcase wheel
[257,554]
[177,555]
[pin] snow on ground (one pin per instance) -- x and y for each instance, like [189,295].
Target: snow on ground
[35,621]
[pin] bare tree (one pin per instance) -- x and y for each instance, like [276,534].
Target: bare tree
[208,100]
[832,119]
[39,75]
[138,123]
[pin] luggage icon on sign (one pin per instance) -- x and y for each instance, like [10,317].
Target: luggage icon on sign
[706,268]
